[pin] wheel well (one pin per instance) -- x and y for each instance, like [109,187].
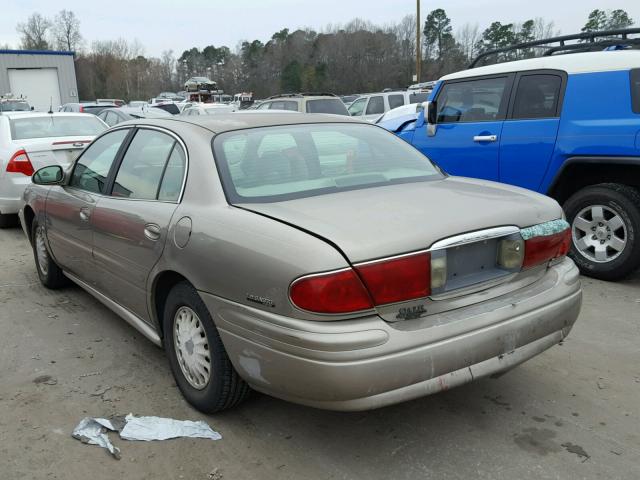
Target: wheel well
[28,219]
[164,282]
[576,176]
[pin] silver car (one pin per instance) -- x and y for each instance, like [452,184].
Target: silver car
[314,258]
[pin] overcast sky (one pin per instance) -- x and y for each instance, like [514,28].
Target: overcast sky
[164,25]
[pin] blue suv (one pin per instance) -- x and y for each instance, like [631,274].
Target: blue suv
[564,125]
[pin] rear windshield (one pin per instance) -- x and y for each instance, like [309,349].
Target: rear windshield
[419,97]
[270,164]
[328,105]
[172,108]
[10,106]
[54,126]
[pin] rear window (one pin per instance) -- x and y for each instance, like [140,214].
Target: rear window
[95,109]
[419,97]
[13,106]
[54,126]
[635,90]
[327,105]
[395,101]
[269,164]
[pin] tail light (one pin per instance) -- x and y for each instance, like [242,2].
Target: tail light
[20,163]
[376,283]
[81,109]
[397,279]
[334,292]
[538,250]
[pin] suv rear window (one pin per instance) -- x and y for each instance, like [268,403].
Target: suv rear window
[635,90]
[537,96]
[327,105]
[269,164]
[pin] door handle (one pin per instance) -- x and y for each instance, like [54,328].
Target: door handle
[152,231]
[85,213]
[485,138]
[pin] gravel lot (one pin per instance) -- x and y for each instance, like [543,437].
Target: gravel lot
[573,412]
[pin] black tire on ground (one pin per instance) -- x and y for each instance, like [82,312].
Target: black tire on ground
[53,278]
[625,201]
[225,388]
[8,220]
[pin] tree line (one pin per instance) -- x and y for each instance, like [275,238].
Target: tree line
[355,57]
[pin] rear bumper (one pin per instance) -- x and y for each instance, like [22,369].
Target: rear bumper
[368,363]
[11,189]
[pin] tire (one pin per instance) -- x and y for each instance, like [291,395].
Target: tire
[223,388]
[8,220]
[610,213]
[49,272]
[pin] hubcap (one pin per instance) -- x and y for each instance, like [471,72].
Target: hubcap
[41,251]
[192,348]
[599,233]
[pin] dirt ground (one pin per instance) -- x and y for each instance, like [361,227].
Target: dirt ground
[573,412]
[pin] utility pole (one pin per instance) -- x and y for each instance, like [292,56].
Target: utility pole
[418,42]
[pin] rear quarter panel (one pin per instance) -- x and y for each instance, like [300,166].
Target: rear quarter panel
[596,120]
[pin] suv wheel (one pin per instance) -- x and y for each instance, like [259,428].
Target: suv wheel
[49,272]
[197,357]
[605,225]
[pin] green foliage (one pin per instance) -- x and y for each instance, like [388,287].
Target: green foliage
[607,20]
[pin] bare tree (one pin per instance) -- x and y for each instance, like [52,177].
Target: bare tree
[66,31]
[33,32]
[467,37]
[543,29]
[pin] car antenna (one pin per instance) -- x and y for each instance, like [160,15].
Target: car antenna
[50,105]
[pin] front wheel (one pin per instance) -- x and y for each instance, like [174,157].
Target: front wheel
[605,226]
[199,362]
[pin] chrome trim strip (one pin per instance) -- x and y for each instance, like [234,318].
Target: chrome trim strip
[393,257]
[133,320]
[473,237]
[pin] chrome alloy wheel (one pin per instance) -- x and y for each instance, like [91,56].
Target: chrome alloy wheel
[192,347]
[41,251]
[599,233]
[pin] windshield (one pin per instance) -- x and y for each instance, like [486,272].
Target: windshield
[328,105]
[419,97]
[54,126]
[270,164]
[14,106]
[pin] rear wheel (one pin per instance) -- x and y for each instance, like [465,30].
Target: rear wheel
[605,225]
[199,362]
[49,272]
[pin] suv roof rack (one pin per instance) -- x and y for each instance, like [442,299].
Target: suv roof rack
[301,94]
[590,41]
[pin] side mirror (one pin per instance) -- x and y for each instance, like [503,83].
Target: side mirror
[432,112]
[51,175]
[431,116]
[32,108]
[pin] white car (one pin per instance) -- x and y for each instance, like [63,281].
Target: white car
[29,141]
[401,111]
[370,106]
[208,109]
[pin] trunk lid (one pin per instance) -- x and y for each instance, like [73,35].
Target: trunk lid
[54,151]
[383,221]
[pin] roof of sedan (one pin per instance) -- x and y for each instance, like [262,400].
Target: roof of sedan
[224,122]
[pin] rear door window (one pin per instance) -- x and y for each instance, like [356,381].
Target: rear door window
[143,165]
[396,101]
[375,106]
[635,90]
[537,96]
[284,105]
[472,101]
[173,176]
[92,169]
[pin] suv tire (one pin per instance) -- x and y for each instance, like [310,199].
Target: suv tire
[49,272]
[199,362]
[605,225]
